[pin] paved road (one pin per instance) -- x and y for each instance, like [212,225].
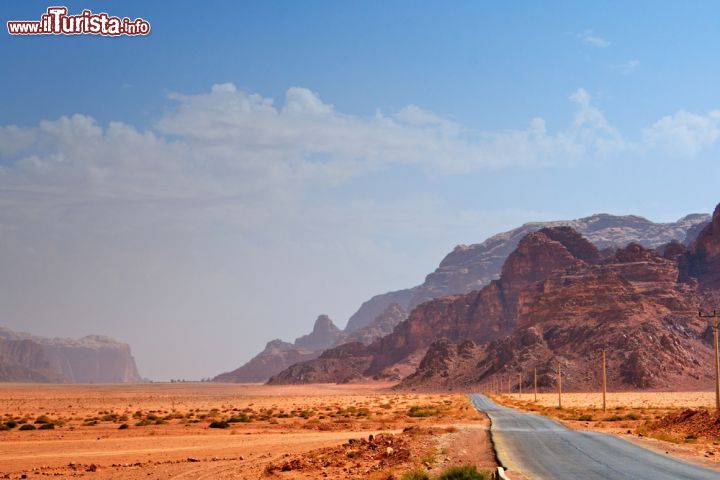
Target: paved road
[543,449]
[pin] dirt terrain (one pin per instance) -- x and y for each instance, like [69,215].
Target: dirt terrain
[315,431]
[682,424]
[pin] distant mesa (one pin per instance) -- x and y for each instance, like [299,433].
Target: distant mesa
[91,359]
[470,268]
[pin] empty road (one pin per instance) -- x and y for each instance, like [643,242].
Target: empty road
[543,449]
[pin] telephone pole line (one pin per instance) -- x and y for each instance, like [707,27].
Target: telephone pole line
[535,383]
[713,319]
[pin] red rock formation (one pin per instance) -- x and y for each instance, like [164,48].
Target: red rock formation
[341,364]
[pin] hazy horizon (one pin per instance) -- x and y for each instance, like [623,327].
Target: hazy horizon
[244,168]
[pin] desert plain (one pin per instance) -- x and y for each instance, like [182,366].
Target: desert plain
[357,431]
[208,430]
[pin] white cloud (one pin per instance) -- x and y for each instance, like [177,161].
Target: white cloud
[628,67]
[683,133]
[590,38]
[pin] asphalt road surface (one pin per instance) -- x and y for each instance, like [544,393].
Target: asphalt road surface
[543,449]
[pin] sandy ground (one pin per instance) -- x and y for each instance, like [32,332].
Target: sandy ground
[628,415]
[274,432]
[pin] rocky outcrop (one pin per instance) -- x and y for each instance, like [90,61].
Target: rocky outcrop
[91,359]
[276,357]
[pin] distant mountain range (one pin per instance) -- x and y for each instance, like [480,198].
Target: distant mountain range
[559,301]
[91,359]
[467,268]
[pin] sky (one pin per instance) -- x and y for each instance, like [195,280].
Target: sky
[250,165]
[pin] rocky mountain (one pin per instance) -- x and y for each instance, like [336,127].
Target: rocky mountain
[558,300]
[276,356]
[279,355]
[471,267]
[91,359]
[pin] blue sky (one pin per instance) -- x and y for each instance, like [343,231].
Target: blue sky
[323,152]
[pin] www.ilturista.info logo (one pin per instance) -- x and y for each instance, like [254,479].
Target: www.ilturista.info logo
[56,21]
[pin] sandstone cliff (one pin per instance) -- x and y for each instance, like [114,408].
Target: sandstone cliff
[91,359]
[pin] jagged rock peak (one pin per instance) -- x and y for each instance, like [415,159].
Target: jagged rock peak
[324,335]
[323,323]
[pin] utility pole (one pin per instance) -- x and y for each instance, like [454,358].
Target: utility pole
[535,383]
[604,379]
[713,318]
[520,386]
[559,372]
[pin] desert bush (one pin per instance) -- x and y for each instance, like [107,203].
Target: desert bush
[417,474]
[47,426]
[422,411]
[243,418]
[143,423]
[631,416]
[614,418]
[11,424]
[124,426]
[27,426]
[465,472]
[585,418]
[219,424]
[42,419]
